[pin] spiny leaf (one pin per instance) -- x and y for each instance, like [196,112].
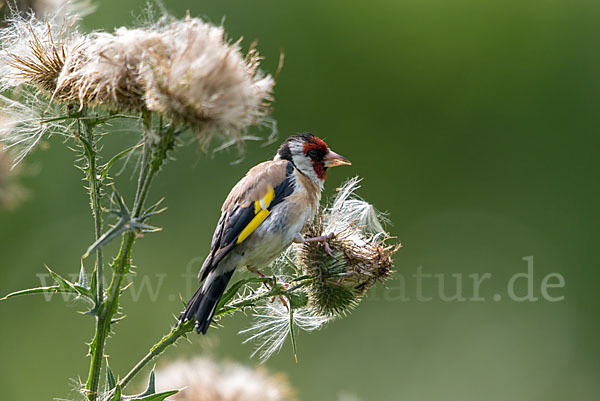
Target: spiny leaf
[116,158]
[63,286]
[151,389]
[89,150]
[63,283]
[150,393]
[152,210]
[233,289]
[126,223]
[38,290]
[108,236]
[82,281]
[117,394]
[153,397]
[110,378]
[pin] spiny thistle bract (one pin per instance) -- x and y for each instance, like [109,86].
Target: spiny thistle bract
[328,285]
[202,379]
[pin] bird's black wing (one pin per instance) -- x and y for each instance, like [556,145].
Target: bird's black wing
[236,224]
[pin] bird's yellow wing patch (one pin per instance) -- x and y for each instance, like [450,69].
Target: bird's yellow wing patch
[261,212]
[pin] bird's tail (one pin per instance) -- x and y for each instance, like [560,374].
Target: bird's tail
[203,304]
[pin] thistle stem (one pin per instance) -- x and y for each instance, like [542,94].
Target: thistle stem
[152,158]
[176,333]
[90,153]
[94,191]
[182,329]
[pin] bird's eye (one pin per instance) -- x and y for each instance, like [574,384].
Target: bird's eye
[312,154]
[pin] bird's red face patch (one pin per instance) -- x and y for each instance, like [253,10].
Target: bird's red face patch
[316,149]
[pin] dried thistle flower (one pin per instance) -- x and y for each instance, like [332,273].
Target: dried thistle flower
[361,255]
[321,287]
[203,379]
[185,70]
[205,81]
[33,51]
[106,69]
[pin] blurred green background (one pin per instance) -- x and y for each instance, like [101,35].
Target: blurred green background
[474,123]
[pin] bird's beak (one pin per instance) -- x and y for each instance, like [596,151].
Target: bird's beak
[333,159]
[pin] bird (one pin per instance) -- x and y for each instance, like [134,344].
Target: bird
[265,212]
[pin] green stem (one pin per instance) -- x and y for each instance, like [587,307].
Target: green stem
[105,313]
[176,333]
[94,190]
[153,156]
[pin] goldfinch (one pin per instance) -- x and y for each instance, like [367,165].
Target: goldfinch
[264,213]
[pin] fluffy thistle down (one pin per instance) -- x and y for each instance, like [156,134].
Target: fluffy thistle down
[202,379]
[273,324]
[205,81]
[184,70]
[33,51]
[25,122]
[327,287]
[187,71]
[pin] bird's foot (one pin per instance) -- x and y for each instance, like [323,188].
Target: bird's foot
[259,274]
[323,239]
[283,301]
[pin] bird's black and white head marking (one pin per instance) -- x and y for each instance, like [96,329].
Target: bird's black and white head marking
[307,152]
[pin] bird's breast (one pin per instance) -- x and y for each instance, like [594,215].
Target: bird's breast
[285,221]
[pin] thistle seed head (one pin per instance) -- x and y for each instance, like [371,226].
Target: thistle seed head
[187,71]
[361,254]
[184,70]
[33,51]
[205,81]
[106,69]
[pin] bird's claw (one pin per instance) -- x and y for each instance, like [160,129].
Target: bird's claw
[327,248]
[261,275]
[323,239]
